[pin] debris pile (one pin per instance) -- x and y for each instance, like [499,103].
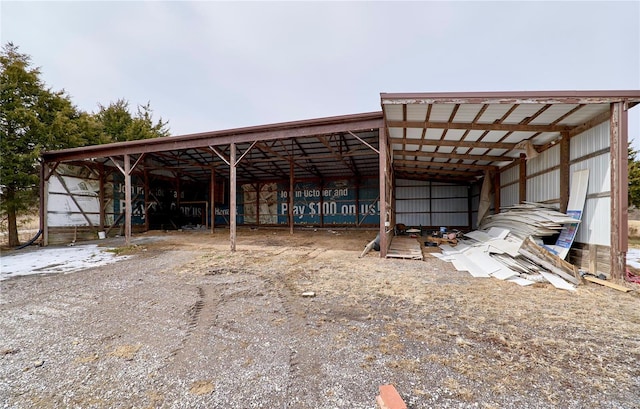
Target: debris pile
[528,219]
[509,247]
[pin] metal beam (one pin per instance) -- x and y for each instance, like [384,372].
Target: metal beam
[232,198]
[489,158]
[127,199]
[451,165]
[456,144]
[478,126]
[309,128]
[619,189]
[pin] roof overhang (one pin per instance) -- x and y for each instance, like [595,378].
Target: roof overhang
[460,135]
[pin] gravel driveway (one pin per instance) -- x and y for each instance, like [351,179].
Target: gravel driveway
[184,323]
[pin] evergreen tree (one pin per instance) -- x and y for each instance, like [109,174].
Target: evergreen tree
[32,118]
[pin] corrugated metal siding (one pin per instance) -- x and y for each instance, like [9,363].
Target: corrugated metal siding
[509,195]
[593,140]
[546,160]
[423,203]
[544,187]
[596,222]
[510,175]
[599,173]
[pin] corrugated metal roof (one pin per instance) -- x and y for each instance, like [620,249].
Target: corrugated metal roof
[458,136]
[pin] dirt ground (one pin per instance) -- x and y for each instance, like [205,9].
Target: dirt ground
[184,323]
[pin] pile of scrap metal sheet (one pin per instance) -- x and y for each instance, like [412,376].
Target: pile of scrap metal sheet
[528,219]
[510,249]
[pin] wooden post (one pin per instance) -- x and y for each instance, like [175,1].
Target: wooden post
[291,192]
[212,199]
[496,192]
[357,202]
[44,201]
[232,199]
[101,196]
[565,159]
[619,189]
[522,181]
[127,199]
[470,206]
[321,203]
[146,199]
[383,191]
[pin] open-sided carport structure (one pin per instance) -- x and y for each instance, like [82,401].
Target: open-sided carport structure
[528,143]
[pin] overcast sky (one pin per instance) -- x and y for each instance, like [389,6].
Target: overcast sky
[217,65]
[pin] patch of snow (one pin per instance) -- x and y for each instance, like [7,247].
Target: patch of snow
[55,260]
[633,258]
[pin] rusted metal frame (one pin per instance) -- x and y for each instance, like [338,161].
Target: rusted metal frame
[605,116]
[364,142]
[246,152]
[212,199]
[263,147]
[120,168]
[245,135]
[463,144]
[619,144]
[441,155]
[304,154]
[181,162]
[454,111]
[101,195]
[127,199]
[445,164]
[466,133]
[311,157]
[384,169]
[232,196]
[364,216]
[350,158]
[291,196]
[404,130]
[434,178]
[499,121]
[470,174]
[522,179]
[337,155]
[120,217]
[44,201]
[427,116]
[497,190]
[146,199]
[480,126]
[220,155]
[565,165]
[509,97]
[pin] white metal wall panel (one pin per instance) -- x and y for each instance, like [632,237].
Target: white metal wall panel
[544,187]
[599,173]
[450,219]
[449,205]
[413,219]
[407,182]
[412,192]
[509,195]
[595,227]
[546,160]
[593,140]
[412,205]
[449,191]
[596,219]
[510,175]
